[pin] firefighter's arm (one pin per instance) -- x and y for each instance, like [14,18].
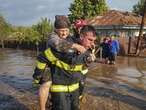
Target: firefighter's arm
[79,48]
[85,57]
[63,45]
[81,58]
[41,64]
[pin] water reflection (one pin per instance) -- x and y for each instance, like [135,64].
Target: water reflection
[128,76]
[17,62]
[128,70]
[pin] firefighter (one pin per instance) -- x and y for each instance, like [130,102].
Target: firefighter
[78,24]
[56,40]
[66,71]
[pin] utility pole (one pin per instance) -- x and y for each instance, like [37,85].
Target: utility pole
[141,30]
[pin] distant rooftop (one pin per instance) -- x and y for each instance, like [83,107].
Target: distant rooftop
[114,17]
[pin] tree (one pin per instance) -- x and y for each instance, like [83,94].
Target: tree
[31,36]
[25,35]
[82,9]
[18,34]
[4,30]
[139,7]
[44,27]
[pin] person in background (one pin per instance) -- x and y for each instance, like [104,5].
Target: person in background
[105,50]
[114,49]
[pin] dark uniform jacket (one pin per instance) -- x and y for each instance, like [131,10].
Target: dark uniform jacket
[66,67]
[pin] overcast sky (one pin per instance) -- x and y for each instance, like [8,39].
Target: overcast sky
[28,12]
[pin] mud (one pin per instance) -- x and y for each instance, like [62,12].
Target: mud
[108,87]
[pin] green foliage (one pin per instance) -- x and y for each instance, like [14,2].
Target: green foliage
[77,10]
[5,28]
[100,7]
[31,36]
[34,34]
[86,9]
[44,28]
[139,7]
[17,36]
[25,34]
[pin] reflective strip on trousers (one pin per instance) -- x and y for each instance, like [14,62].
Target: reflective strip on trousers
[63,88]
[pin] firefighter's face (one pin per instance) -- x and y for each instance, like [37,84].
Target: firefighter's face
[63,32]
[88,39]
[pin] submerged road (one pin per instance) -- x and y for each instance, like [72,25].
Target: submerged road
[122,85]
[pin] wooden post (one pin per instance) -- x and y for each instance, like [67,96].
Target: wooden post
[141,30]
[2,42]
[37,47]
[100,54]
[129,45]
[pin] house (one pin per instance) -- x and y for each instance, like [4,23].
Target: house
[124,25]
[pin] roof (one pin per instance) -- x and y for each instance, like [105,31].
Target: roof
[114,17]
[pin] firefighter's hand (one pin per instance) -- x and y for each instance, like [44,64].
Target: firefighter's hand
[35,82]
[91,58]
[79,48]
[36,79]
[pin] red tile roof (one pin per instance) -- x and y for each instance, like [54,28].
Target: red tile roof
[115,17]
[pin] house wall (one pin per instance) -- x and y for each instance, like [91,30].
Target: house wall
[123,36]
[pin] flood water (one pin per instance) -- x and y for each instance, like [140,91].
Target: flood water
[125,81]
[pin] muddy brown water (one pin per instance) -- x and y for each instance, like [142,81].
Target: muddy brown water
[108,87]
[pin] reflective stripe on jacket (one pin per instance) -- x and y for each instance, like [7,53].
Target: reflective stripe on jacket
[55,61]
[62,73]
[60,63]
